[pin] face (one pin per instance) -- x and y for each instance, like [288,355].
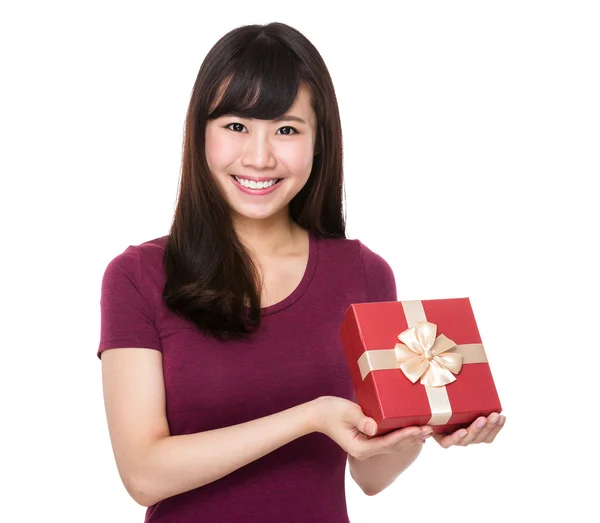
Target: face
[259,152]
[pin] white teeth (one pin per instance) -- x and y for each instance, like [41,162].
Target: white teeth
[254,185]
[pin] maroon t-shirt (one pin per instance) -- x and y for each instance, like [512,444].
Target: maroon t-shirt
[295,356]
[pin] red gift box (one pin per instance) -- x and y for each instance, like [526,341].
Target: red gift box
[418,362]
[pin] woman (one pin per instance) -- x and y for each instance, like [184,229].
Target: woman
[229,398]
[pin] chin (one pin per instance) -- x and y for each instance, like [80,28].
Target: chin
[248,214]
[255,216]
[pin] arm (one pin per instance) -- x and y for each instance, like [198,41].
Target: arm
[180,463]
[154,465]
[378,472]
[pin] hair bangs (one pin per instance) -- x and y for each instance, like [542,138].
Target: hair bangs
[263,85]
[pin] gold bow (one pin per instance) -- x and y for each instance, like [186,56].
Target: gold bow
[422,355]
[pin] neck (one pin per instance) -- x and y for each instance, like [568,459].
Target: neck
[268,238]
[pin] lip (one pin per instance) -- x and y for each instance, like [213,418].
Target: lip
[257,192]
[255,179]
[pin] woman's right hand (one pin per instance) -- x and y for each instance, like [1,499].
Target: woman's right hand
[345,423]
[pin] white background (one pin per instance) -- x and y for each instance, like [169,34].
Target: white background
[471,135]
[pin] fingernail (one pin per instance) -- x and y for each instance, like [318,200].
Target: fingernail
[480,424]
[501,421]
[428,431]
[371,429]
[461,435]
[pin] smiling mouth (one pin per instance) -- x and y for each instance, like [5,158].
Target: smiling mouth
[250,184]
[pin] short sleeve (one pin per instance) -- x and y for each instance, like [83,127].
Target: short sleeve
[380,279]
[127,318]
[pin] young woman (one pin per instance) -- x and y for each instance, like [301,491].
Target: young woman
[227,393]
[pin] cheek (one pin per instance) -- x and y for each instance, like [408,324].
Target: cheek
[218,150]
[300,158]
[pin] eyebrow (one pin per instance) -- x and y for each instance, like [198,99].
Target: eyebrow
[284,118]
[289,118]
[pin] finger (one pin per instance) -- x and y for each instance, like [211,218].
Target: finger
[368,426]
[404,443]
[389,443]
[489,427]
[492,434]
[443,440]
[399,440]
[406,437]
[426,432]
[446,441]
[499,424]
[412,431]
[473,431]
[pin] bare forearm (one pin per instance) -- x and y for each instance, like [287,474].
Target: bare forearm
[181,463]
[378,472]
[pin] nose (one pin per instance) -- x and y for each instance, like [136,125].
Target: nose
[258,152]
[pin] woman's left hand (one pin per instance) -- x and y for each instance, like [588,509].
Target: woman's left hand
[482,430]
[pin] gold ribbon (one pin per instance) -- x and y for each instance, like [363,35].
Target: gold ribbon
[423,356]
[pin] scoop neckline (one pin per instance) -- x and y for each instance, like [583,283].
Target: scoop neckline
[300,289]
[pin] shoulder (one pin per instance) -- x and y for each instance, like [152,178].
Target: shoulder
[136,259]
[347,250]
[341,249]
[380,279]
[372,261]
[151,250]
[352,260]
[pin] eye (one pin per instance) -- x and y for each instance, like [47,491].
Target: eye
[288,127]
[235,129]
[229,126]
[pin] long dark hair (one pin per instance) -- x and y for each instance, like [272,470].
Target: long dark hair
[256,71]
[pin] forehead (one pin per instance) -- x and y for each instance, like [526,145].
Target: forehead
[302,101]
